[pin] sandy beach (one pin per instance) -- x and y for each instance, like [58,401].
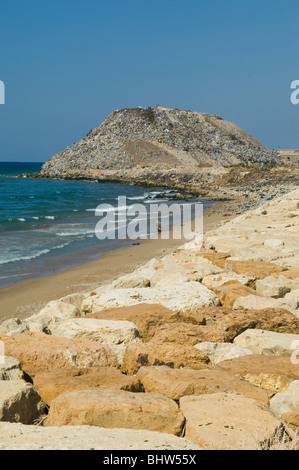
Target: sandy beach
[28,297]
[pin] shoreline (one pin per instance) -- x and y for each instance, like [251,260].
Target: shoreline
[29,296]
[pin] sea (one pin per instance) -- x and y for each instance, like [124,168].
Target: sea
[47,225]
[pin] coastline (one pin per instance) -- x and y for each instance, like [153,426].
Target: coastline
[29,296]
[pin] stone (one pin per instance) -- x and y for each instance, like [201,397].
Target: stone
[234,322]
[176,383]
[267,343]
[274,243]
[273,373]
[54,312]
[40,352]
[230,291]
[183,297]
[169,354]
[229,421]
[217,258]
[219,352]
[293,295]
[286,401]
[147,317]
[276,287]
[292,273]
[291,419]
[216,280]
[187,334]
[116,334]
[255,302]
[19,402]
[116,409]
[10,369]
[25,437]
[50,384]
[130,281]
[13,326]
[255,269]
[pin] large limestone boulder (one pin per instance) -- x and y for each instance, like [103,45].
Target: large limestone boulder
[255,302]
[219,352]
[187,334]
[117,334]
[268,343]
[49,384]
[286,401]
[147,317]
[23,437]
[276,287]
[169,354]
[216,280]
[130,281]
[183,297]
[229,421]
[176,383]
[19,402]
[230,291]
[254,269]
[234,322]
[273,373]
[10,369]
[55,311]
[38,352]
[117,409]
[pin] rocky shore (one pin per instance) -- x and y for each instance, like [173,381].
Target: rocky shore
[196,349]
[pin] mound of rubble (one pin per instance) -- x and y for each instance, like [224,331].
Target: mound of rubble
[158,144]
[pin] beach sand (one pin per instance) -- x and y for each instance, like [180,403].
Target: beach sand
[28,297]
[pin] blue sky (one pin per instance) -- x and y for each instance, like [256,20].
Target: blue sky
[67,64]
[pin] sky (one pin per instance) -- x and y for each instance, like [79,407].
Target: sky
[67,64]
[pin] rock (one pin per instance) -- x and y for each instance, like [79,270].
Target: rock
[176,383]
[50,384]
[187,334]
[276,287]
[267,343]
[292,420]
[292,273]
[218,352]
[230,291]
[53,312]
[10,369]
[21,437]
[169,354]
[274,243]
[13,326]
[116,409]
[147,317]
[217,258]
[255,302]
[130,281]
[234,322]
[228,421]
[287,401]
[273,373]
[293,295]
[184,297]
[216,280]
[116,334]
[40,352]
[19,402]
[253,269]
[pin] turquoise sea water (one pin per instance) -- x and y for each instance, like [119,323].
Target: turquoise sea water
[48,225]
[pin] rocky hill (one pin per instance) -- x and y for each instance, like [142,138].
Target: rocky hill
[160,145]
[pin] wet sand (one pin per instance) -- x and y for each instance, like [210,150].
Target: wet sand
[28,297]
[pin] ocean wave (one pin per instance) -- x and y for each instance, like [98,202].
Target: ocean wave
[31,256]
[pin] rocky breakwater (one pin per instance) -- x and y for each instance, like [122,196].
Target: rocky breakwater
[194,350]
[161,146]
